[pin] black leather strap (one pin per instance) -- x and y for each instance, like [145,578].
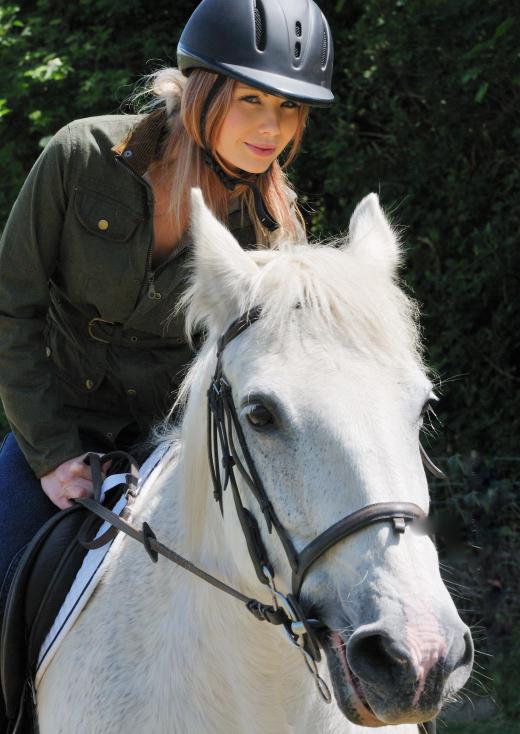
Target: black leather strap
[363,518]
[155,549]
[237,327]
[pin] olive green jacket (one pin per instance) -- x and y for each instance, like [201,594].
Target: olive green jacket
[88,347]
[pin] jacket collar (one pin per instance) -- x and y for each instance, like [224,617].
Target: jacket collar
[141,145]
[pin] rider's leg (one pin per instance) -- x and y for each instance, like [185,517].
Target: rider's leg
[24,508]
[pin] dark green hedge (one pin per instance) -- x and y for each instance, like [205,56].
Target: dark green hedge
[428,93]
[428,116]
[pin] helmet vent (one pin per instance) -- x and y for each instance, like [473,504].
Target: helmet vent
[298,29]
[297,50]
[260,34]
[324,48]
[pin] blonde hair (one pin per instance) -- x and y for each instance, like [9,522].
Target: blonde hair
[181,164]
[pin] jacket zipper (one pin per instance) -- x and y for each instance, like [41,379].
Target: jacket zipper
[148,280]
[152,293]
[149,277]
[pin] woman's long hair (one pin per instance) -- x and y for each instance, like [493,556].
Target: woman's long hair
[181,165]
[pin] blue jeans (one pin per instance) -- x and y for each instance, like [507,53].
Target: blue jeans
[24,508]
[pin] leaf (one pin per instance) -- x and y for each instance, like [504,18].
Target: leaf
[471,74]
[4,109]
[504,27]
[482,91]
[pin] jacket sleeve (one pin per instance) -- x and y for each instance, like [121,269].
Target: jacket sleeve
[29,250]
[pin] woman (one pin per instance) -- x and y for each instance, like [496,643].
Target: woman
[91,260]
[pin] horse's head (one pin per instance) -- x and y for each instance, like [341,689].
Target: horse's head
[330,392]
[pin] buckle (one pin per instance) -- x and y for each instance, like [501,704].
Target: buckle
[90,328]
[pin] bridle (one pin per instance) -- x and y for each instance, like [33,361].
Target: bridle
[223,426]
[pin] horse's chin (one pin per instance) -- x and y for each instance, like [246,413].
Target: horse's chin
[348,689]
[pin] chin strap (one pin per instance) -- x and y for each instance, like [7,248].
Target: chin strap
[230,182]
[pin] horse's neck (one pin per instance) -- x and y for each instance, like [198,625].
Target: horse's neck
[233,673]
[245,674]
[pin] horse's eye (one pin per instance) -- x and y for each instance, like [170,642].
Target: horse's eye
[259,416]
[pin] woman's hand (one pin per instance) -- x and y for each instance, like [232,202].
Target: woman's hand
[69,480]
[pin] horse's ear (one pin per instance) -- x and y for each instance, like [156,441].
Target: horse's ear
[223,271]
[371,237]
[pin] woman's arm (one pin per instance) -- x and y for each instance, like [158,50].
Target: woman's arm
[29,250]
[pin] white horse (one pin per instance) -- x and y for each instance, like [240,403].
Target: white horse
[329,390]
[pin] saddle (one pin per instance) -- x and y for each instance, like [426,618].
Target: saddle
[40,583]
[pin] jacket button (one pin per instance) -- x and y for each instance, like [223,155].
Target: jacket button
[131,392]
[48,351]
[128,154]
[102,224]
[89,384]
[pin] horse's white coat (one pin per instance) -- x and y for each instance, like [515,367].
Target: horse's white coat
[160,651]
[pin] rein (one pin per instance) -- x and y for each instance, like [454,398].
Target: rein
[154,548]
[223,425]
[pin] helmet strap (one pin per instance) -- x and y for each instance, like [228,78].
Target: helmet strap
[228,181]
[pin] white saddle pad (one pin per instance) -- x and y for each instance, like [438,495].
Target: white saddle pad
[92,569]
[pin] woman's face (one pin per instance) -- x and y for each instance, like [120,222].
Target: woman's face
[256,128]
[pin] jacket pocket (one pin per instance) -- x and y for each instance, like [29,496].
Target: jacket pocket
[105,217]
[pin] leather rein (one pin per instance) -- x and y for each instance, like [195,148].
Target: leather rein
[223,426]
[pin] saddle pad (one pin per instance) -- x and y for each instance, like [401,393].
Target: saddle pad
[92,569]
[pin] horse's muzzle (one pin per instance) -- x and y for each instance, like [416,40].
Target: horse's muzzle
[381,677]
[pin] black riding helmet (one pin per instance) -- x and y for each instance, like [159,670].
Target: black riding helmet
[280,46]
[283,47]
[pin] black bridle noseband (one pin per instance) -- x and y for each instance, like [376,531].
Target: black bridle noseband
[224,429]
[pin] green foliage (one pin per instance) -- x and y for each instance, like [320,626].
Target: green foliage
[480,549]
[498,725]
[63,61]
[427,115]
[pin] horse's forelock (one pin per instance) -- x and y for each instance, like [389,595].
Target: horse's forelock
[340,296]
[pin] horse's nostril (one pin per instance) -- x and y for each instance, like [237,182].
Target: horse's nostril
[376,655]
